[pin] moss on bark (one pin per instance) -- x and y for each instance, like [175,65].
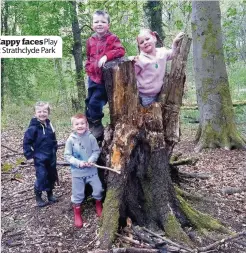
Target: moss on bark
[110,218]
[174,230]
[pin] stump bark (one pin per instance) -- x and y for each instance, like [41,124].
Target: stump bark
[139,142]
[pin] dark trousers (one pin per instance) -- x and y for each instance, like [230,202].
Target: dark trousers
[46,173]
[96,99]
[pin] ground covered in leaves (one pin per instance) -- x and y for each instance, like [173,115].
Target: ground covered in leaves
[27,228]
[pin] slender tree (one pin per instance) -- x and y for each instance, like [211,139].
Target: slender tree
[153,10]
[217,125]
[77,53]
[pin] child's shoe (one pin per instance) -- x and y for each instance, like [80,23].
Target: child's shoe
[96,128]
[51,197]
[39,200]
[99,208]
[78,221]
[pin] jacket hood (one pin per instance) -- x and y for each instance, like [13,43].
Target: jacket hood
[76,136]
[35,122]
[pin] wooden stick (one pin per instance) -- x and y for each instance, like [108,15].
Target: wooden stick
[67,164]
[217,243]
[167,240]
[106,168]
[9,148]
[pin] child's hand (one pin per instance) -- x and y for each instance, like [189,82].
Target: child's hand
[178,38]
[102,61]
[82,164]
[133,58]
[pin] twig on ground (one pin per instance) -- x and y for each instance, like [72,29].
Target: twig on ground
[194,175]
[168,240]
[217,243]
[232,190]
[126,250]
[10,149]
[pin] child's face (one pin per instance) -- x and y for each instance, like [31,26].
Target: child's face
[42,113]
[80,125]
[100,24]
[146,42]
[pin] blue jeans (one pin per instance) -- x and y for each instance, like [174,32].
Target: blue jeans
[96,99]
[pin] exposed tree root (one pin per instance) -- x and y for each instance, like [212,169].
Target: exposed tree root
[192,196]
[188,161]
[201,221]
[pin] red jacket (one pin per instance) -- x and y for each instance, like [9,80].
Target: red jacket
[97,47]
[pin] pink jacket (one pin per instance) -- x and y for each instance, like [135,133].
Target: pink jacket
[150,70]
[97,47]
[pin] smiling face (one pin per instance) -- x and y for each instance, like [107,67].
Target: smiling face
[146,42]
[100,24]
[80,125]
[42,113]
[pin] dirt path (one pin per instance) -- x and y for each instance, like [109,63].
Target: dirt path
[27,228]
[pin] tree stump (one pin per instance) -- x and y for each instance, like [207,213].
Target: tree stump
[139,142]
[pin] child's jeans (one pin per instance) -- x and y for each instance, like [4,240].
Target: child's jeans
[146,100]
[78,188]
[96,99]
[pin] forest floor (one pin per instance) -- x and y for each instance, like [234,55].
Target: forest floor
[27,228]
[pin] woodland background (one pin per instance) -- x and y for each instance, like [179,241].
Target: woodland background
[62,82]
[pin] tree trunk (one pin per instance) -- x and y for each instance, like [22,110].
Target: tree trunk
[139,142]
[217,125]
[77,53]
[153,11]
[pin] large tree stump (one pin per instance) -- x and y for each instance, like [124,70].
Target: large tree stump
[139,142]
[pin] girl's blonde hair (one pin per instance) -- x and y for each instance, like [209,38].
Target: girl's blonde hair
[155,34]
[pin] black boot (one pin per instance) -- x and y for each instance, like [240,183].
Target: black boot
[39,200]
[51,197]
[96,128]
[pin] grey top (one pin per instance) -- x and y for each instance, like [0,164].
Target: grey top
[81,148]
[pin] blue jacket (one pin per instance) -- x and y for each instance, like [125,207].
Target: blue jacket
[39,140]
[81,148]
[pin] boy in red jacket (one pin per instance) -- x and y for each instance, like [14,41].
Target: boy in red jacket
[101,47]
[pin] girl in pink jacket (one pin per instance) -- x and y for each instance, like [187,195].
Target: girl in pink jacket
[150,65]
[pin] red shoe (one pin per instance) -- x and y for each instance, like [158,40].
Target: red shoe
[99,208]
[78,221]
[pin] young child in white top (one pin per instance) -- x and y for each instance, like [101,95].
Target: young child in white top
[150,65]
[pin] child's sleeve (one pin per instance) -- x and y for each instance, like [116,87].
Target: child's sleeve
[95,150]
[68,154]
[87,63]
[171,52]
[28,141]
[114,48]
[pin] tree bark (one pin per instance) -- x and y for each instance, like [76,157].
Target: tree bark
[139,142]
[217,125]
[78,103]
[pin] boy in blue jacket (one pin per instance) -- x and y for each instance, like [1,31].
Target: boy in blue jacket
[81,151]
[40,144]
